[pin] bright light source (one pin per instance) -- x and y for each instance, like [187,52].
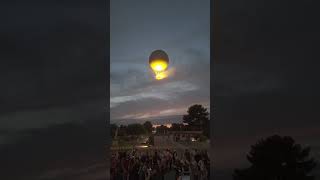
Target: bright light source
[142,146]
[161,75]
[193,139]
[159,62]
[159,65]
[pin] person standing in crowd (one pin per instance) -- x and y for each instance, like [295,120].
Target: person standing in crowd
[125,167]
[187,155]
[194,169]
[159,165]
[203,170]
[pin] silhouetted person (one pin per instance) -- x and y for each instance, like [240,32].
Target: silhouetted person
[187,155]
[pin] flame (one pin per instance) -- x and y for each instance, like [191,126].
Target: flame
[161,75]
[159,65]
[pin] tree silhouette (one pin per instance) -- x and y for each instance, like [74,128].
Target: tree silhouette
[277,158]
[151,140]
[135,129]
[148,126]
[198,117]
[176,127]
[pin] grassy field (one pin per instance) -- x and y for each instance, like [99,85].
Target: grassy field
[122,144]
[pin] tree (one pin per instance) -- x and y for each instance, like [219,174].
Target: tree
[198,117]
[122,130]
[277,158]
[151,140]
[148,126]
[135,129]
[176,127]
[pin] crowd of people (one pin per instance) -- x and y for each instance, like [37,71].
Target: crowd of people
[160,165]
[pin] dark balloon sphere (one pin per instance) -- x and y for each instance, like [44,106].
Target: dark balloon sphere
[157,55]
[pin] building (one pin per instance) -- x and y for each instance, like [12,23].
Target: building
[185,135]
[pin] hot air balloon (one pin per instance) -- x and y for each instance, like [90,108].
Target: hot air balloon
[159,62]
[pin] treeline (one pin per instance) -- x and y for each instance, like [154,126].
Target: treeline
[131,129]
[178,127]
[197,119]
[147,128]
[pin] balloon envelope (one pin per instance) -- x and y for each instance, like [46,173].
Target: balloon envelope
[159,60]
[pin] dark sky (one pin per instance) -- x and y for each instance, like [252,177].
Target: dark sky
[265,77]
[50,59]
[182,29]
[53,77]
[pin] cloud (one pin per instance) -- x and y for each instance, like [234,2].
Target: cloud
[190,79]
[153,98]
[155,114]
[185,37]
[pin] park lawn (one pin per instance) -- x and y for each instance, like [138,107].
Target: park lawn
[123,144]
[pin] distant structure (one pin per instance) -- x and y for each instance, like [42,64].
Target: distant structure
[185,135]
[116,133]
[115,138]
